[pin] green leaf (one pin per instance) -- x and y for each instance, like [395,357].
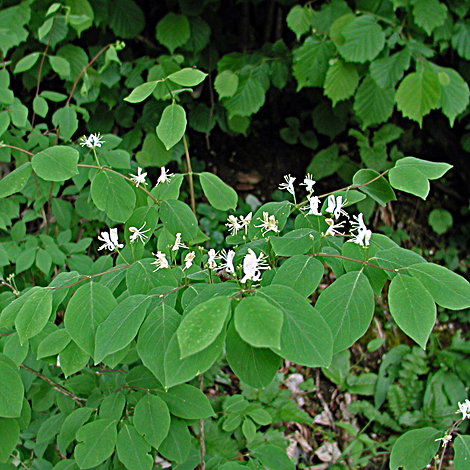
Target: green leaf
[177,217]
[412,307]
[152,419]
[454,94]
[187,77]
[363,39]
[347,306]
[54,343]
[60,65]
[154,338]
[173,31]
[429,14]
[15,181]
[306,337]
[201,326]
[220,195]
[97,441]
[254,366]
[9,313]
[461,452]
[14,350]
[26,62]
[373,104]
[72,359]
[89,307]
[440,220]
[141,278]
[4,121]
[172,125]
[34,313]
[65,119]
[280,210]
[296,242]
[133,450]
[379,190]
[448,289]
[310,62]
[299,20]
[12,390]
[73,422]
[326,162]
[121,326]
[418,93]
[258,322]
[226,83]
[274,457]
[126,19]
[141,92]
[9,434]
[112,194]
[177,445]
[389,70]
[247,100]
[414,449]
[411,175]
[396,258]
[461,39]
[187,402]
[341,81]
[57,163]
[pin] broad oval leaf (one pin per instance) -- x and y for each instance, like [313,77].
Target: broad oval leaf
[141,92]
[201,326]
[187,77]
[258,322]
[12,390]
[462,452]
[347,306]
[57,163]
[112,194]
[379,189]
[412,307]
[15,181]
[172,125]
[133,450]
[9,434]
[177,217]
[219,195]
[177,445]
[295,242]
[187,402]
[152,419]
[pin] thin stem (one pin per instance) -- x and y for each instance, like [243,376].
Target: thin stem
[202,443]
[366,263]
[17,148]
[190,176]
[58,387]
[75,83]
[88,277]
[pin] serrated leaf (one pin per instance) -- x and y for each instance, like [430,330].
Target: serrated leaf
[259,323]
[448,289]
[341,81]
[379,190]
[389,70]
[172,125]
[57,163]
[310,62]
[418,93]
[247,100]
[15,181]
[325,162]
[347,306]
[363,39]
[126,19]
[429,14]
[220,195]
[226,84]
[201,326]
[373,104]
[454,94]
[173,31]
[299,20]
[412,307]
[461,39]
[112,194]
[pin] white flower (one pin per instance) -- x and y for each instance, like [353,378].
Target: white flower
[309,182]
[314,202]
[110,240]
[138,233]
[93,140]
[333,228]
[269,223]
[164,176]
[446,439]
[464,408]
[362,237]
[233,225]
[178,243]
[160,261]
[212,257]
[188,260]
[335,206]
[139,178]
[228,258]
[289,184]
[245,221]
[252,266]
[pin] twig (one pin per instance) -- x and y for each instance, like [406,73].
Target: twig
[366,263]
[58,387]
[190,176]
[202,443]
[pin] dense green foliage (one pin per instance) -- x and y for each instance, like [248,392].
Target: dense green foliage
[105,358]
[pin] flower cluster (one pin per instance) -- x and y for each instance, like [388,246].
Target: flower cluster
[92,141]
[139,178]
[110,240]
[464,408]
[236,224]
